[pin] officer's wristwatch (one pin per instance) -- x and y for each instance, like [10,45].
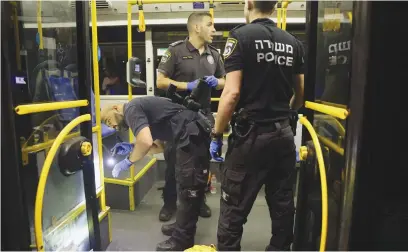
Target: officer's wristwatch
[216,136]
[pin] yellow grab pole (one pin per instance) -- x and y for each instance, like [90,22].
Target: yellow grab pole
[39,23]
[323,180]
[130,54]
[44,175]
[97,99]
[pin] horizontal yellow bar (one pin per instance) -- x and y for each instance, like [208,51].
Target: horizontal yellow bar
[215,99]
[41,107]
[103,214]
[331,145]
[328,110]
[142,172]
[226,135]
[124,182]
[178,1]
[46,145]
[333,104]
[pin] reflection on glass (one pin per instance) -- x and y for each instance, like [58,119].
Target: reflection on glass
[47,42]
[334,54]
[332,88]
[112,70]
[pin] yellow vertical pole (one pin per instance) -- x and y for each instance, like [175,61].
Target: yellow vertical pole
[97,99]
[129,42]
[39,23]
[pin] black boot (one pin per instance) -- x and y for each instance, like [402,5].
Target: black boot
[171,245]
[205,210]
[168,229]
[167,212]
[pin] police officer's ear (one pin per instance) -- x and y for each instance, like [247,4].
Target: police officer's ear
[250,5]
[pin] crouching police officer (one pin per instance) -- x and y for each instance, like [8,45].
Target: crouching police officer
[156,118]
[264,65]
[185,62]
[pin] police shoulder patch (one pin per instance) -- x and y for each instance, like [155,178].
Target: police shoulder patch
[176,43]
[230,46]
[166,56]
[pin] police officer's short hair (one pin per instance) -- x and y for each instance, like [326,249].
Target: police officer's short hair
[196,17]
[263,6]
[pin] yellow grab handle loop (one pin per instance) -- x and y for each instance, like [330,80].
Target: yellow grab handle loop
[142,24]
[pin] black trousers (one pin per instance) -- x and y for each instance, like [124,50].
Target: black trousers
[191,173]
[170,188]
[262,159]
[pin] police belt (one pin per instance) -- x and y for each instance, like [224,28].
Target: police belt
[261,128]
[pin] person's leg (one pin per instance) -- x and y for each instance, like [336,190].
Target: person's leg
[242,177]
[279,193]
[191,176]
[169,190]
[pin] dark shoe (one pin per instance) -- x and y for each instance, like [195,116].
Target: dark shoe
[168,229]
[205,211]
[166,213]
[171,245]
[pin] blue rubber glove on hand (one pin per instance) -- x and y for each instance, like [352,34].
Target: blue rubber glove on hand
[215,150]
[123,165]
[122,149]
[211,81]
[192,85]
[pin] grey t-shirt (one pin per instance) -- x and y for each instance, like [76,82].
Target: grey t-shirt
[158,114]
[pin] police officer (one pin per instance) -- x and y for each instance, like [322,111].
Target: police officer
[183,63]
[264,83]
[156,118]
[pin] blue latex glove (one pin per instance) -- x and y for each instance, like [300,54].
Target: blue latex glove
[123,165]
[191,85]
[122,149]
[211,81]
[215,150]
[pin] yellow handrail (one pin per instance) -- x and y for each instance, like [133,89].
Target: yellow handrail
[97,98]
[323,180]
[44,175]
[331,145]
[130,54]
[42,107]
[215,99]
[328,110]
[47,144]
[142,172]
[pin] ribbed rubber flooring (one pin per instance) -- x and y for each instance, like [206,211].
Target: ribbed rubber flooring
[140,230]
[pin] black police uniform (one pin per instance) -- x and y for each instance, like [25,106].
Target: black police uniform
[183,62]
[269,57]
[174,123]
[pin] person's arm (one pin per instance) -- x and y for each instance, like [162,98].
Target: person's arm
[220,73]
[163,82]
[228,100]
[156,148]
[297,99]
[296,102]
[143,143]
[234,64]
[166,69]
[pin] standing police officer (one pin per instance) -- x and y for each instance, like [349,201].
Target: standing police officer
[264,84]
[182,65]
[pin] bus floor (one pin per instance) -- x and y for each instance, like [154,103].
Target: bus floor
[141,229]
